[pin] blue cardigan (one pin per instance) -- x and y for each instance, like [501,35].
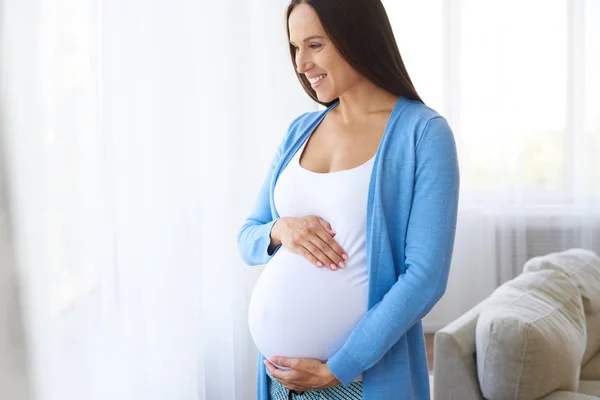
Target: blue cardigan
[411,222]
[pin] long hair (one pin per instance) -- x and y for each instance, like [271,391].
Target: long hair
[361,32]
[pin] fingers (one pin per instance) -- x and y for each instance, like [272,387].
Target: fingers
[290,378]
[325,225]
[309,256]
[287,383]
[314,240]
[323,246]
[330,247]
[320,256]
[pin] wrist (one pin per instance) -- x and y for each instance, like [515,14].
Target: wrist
[329,376]
[274,237]
[276,233]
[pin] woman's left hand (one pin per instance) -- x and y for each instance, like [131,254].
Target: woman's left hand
[306,373]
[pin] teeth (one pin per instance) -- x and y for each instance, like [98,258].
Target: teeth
[317,79]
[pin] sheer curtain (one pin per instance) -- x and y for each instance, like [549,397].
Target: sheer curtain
[135,135]
[519,83]
[14,374]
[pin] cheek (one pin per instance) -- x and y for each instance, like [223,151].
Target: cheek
[348,76]
[341,72]
[328,61]
[339,78]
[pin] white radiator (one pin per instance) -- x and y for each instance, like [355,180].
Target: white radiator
[519,240]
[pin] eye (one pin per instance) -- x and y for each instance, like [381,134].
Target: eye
[315,46]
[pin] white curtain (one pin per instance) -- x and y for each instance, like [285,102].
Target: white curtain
[519,82]
[14,374]
[136,135]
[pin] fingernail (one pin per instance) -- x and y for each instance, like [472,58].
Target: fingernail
[342,265]
[333,266]
[319,264]
[345,256]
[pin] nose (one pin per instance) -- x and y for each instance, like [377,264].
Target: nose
[303,62]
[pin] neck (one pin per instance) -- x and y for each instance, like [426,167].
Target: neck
[362,101]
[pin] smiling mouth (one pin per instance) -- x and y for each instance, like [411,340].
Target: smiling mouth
[316,79]
[316,82]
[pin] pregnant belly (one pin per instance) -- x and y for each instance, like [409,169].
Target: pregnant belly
[300,310]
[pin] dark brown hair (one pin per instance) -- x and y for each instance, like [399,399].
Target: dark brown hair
[361,32]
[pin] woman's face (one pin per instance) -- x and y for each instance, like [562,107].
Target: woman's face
[316,57]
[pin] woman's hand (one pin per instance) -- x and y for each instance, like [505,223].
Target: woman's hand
[306,373]
[311,237]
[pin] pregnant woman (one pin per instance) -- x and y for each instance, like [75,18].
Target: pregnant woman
[355,220]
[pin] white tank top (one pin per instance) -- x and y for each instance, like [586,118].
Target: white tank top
[298,309]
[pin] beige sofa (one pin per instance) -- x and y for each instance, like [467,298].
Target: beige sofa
[535,337]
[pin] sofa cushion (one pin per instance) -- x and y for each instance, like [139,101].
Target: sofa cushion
[530,337]
[591,370]
[592,322]
[583,267]
[564,395]
[591,388]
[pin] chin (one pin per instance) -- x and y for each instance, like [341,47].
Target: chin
[325,97]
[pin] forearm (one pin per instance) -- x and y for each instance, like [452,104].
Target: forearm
[407,302]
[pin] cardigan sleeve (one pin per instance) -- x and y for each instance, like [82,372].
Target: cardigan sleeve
[428,252]
[254,237]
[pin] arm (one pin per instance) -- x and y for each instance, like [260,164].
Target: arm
[254,237]
[428,252]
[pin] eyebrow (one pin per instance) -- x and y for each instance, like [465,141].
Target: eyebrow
[311,37]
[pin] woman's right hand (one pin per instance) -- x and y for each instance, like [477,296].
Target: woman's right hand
[311,237]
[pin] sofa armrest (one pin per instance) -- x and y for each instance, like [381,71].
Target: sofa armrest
[454,362]
[565,395]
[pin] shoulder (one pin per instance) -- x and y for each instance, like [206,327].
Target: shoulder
[301,124]
[417,120]
[304,121]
